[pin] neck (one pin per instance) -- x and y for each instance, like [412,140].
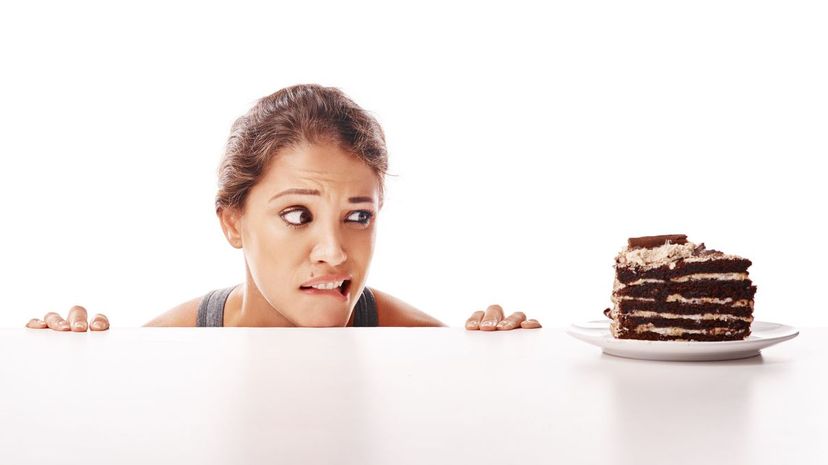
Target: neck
[247,307]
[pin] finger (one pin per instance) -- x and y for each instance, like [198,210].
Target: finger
[530,324]
[473,322]
[513,321]
[56,322]
[493,315]
[36,323]
[99,323]
[77,318]
[51,317]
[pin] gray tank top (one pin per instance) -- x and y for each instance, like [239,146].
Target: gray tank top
[211,308]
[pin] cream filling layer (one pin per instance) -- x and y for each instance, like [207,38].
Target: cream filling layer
[673,331]
[710,300]
[715,256]
[698,317]
[617,298]
[686,278]
[711,276]
[642,281]
[693,301]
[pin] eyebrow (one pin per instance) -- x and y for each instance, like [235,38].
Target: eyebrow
[316,192]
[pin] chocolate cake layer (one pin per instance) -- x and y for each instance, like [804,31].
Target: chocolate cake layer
[649,336]
[631,322]
[681,308]
[627,275]
[743,289]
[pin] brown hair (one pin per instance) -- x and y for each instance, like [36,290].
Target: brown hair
[304,113]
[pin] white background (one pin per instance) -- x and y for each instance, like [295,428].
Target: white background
[528,142]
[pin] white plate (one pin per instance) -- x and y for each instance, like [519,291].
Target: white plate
[763,334]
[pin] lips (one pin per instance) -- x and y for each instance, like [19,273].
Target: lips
[341,293]
[328,278]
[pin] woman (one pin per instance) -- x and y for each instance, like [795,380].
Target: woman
[300,186]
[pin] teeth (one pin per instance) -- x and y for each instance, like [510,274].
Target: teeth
[332,285]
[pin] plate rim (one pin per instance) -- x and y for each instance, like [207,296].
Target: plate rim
[791,331]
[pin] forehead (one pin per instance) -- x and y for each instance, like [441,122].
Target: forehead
[320,166]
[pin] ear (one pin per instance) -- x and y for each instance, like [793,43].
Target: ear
[230,219]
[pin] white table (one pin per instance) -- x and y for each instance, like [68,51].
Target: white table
[398,396]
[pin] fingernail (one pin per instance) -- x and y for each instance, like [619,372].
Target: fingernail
[503,324]
[78,324]
[488,323]
[97,325]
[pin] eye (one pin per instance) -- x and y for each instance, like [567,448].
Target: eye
[361,216]
[297,217]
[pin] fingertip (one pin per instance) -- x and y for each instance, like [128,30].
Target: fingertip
[488,325]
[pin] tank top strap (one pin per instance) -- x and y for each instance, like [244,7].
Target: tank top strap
[365,311]
[211,308]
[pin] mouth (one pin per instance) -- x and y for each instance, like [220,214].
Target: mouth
[342,292]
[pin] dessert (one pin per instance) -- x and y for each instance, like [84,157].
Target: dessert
[667,288]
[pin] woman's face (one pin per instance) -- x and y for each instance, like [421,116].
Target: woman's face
[311,216]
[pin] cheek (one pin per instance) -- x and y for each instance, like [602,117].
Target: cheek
[271,250]
[362,248]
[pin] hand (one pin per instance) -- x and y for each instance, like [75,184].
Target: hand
[492,319]
[77,321]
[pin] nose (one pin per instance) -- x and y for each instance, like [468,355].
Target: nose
[329,248]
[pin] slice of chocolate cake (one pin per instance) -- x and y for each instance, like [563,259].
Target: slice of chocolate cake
[667,288]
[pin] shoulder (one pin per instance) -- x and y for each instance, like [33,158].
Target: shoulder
[184,314]
[392,311]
